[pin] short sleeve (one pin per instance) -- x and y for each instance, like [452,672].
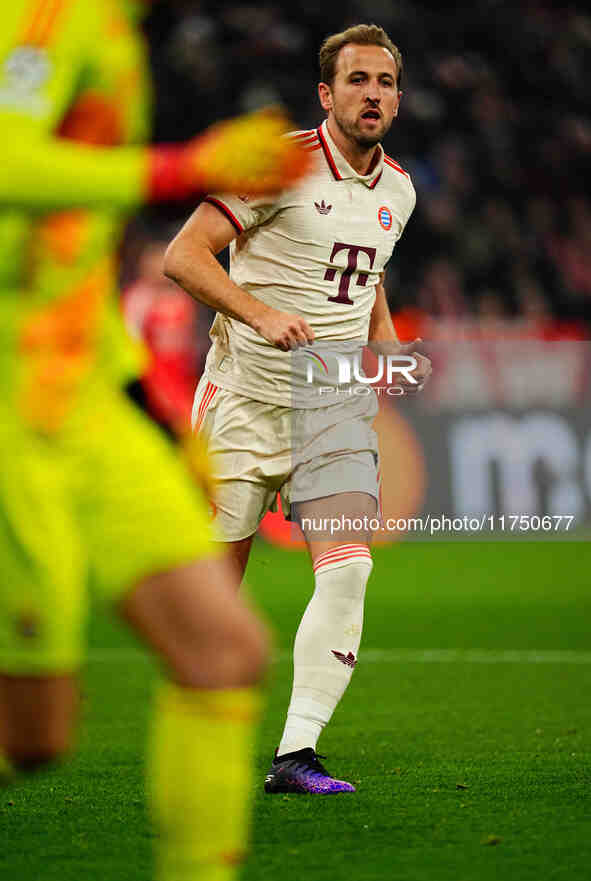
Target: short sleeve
[244,212]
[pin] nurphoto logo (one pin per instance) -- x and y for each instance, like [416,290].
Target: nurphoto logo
[349,369]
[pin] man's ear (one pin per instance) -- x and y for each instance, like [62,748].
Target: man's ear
[325,96]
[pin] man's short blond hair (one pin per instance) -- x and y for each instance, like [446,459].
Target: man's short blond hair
[360,35]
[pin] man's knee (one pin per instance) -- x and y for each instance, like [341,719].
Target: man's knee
[237,661]
[204,631]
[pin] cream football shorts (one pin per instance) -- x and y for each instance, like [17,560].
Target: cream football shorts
[259,450]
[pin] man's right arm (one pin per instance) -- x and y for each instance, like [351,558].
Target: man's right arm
[191,262]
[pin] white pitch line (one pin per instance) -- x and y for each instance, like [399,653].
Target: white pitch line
[477,656]
[399,656]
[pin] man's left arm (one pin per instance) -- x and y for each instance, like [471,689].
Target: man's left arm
[381,326]
[383,339]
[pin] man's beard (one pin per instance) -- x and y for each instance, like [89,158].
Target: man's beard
[365,141]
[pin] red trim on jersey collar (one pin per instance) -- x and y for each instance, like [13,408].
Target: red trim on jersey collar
[335,158]
[328,154]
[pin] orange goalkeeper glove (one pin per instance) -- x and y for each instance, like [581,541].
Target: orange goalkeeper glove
[248,154]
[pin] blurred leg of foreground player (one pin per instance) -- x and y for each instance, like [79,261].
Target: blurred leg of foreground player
[76,503]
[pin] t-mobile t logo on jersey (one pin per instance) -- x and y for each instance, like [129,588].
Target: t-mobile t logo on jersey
[345,279]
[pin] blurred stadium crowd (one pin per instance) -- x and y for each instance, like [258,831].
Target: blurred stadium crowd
[495,129]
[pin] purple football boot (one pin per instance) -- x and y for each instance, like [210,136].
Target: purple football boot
[302,772]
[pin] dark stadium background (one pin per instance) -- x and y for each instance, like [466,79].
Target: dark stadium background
[495,129]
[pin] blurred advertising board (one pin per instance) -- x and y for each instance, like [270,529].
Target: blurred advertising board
[496,447]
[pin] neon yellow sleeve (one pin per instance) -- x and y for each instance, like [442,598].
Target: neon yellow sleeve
[48,173]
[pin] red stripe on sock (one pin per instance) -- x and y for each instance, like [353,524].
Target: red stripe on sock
[340,548]
[345,557]
[344,552]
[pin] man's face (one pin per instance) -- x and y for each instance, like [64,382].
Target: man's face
[364,97]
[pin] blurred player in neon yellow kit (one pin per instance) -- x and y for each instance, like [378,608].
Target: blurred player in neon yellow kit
[87,484]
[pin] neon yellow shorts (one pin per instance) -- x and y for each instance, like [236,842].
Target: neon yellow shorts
[108,501]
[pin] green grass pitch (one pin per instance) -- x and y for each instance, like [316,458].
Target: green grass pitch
[467,730]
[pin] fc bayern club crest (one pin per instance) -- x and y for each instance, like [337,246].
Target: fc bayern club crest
[385,218]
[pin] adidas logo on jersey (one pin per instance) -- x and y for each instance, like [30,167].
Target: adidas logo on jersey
[323,208]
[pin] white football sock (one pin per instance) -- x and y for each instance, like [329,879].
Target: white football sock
[326,644]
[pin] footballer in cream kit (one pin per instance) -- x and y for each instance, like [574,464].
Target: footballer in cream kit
[318,250]
[283,405]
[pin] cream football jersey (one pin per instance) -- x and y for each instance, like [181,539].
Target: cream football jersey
[317,251]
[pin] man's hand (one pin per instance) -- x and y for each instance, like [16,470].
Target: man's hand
[250,154]
[283,330]
[421,372]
